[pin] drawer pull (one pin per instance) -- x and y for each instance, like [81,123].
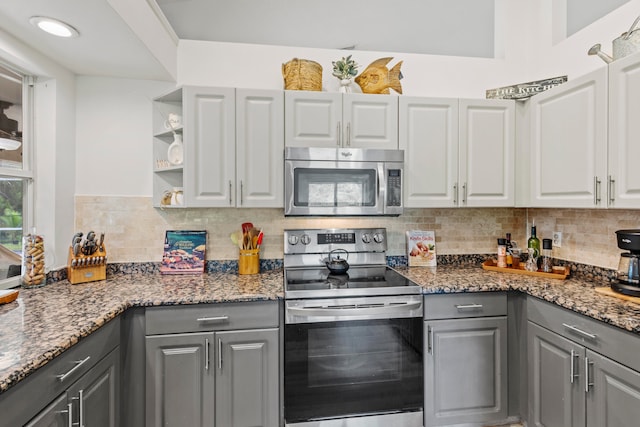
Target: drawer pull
[580,331]
[79,363]
[213,319]
[469,306]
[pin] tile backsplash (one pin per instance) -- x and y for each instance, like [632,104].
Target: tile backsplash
[135,230]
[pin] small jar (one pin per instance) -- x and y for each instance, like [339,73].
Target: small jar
[33,273]
[547,265]
[502,253]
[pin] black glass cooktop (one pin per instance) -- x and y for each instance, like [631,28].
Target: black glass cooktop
[358,281]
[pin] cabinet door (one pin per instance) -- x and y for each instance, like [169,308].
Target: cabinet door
[55,415]
[370,121]
[179,380]
[487,153]
[312,119]
[210,149]
[614,398]
[247,383]
[624,133]
[465,371]
[428,134]
[556,391]
[95,396]
[569,143]
[259,148]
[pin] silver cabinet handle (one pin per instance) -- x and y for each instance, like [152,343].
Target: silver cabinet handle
[464,193]
[79,363]
[206,354]
[573,374]
[230,199]
[241,193]
[339,134]
[213,319]
[469,306]
[580,331]
[81,408]
[69,412]
[596,190]
[587,382]
[219,354]
[429,340]
[349,134]
[455,193]
[611,189]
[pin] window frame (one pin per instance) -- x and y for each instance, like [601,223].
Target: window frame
[28,160]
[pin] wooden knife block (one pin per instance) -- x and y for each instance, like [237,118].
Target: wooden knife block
[87,268]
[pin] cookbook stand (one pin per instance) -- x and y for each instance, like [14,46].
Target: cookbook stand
[87,268]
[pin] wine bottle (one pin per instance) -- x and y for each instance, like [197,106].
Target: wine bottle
[534,243]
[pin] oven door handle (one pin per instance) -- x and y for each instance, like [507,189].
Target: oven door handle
[350,310]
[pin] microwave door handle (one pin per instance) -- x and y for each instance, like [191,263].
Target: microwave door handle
[382,184]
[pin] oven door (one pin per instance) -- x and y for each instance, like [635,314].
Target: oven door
[362,358]
[334,188]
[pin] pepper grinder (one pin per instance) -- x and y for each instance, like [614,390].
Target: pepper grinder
[547,265]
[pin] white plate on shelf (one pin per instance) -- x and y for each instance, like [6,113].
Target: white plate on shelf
[175,152]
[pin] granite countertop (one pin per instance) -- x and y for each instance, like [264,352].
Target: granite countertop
[44,322]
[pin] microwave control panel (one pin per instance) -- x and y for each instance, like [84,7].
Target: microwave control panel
[394,187]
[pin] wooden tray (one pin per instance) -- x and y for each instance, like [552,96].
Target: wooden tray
[610,292]
[491,265]
[8,296]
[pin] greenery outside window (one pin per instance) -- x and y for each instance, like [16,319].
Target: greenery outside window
[16,178]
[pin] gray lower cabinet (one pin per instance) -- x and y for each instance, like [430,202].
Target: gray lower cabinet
[222,377]
[556,395]
[572,381]
[465,359]
[91,401]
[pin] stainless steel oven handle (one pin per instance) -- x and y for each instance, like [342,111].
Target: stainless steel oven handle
[355,311]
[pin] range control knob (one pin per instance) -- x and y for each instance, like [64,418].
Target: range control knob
[293,239]
[366,238]
[378,238]
[305,239]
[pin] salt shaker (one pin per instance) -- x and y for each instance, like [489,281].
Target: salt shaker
[547,265]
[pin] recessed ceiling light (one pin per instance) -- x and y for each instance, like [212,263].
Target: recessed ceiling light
[54,26]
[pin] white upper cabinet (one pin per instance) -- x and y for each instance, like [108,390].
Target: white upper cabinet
[428,134]
[487,153]
[323,119]
[568,143]
[210,150]
[233,147]
[624,133]
[457,152]
[259,148]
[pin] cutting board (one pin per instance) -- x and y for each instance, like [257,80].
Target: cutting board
[610,292]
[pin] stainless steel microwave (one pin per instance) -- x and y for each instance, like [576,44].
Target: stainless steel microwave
[342,181]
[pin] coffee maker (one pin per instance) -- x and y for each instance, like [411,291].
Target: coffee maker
[629,266]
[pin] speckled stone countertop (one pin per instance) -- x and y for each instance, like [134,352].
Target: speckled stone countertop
[44,322]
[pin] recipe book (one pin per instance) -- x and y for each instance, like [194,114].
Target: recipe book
[421,248]
[184,252]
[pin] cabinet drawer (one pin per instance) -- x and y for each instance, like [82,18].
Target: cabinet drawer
[457,306]
[20,403]
[610,341]
[211,317]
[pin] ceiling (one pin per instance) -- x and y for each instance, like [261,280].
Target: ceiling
[112,31]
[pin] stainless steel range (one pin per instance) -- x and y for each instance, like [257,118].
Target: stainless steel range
[353,340]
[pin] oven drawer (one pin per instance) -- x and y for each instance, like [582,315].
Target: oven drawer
[464,305]
[211,317]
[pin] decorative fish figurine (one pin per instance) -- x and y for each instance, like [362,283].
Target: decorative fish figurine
[377,78]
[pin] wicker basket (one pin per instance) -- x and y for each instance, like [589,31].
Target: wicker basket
[302,74]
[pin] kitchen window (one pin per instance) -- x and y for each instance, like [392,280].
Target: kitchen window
[16,178]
